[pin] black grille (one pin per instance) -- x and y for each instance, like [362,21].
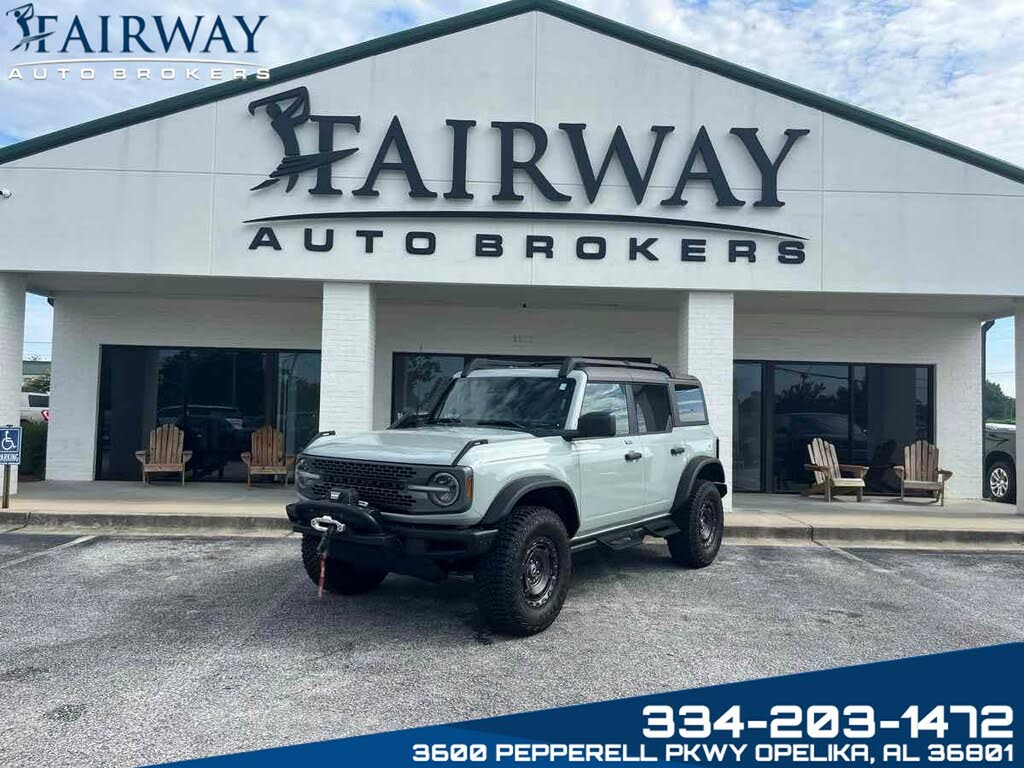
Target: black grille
[380,485]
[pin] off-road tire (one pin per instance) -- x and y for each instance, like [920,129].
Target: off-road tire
[504,579]
[340,576]
[701,523]
[994,481]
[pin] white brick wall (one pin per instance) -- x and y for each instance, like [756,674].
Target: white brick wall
[81,323]
[952,345]
[12,338]
[705,338]
[515,331]
[354,330]
[347,357]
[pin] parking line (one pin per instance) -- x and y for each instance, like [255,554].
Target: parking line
[34,555]
[845,553]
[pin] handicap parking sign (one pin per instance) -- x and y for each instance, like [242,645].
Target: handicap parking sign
[10,445]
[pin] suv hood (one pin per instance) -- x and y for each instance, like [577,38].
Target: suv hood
[423,445]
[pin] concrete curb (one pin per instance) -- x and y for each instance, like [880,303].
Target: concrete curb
[171,523]
[874,536]
[177,523]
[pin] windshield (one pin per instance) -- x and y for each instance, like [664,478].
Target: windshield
[528,403]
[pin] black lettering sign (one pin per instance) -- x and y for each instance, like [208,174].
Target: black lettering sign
[369,235]
[643,249]
[509,165]
[488,245]
[420,243]
[618,148]
[265,237]
[693,250]
[791,252]
[325,246]
[742,249]
[406,164]
[704,150]
[540,245]
[591,248]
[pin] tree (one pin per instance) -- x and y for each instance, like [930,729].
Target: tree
[997,405]
[40,383]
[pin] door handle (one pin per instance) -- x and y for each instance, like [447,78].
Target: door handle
[677,449]
[634,456]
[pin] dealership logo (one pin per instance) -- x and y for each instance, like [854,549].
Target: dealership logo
[137,40]
[287,111]
[520,147]
[22,15]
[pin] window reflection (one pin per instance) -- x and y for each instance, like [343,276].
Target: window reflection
[218,397]
[610,398]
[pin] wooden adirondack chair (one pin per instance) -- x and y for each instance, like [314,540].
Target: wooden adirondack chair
[165,452]
[920,471]
[828,472]
[267,456]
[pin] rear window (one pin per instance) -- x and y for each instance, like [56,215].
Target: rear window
[690,403]
[38,401]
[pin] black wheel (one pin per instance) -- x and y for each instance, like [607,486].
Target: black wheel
[340,576]
[1002,482]
[701,523]
[523,579]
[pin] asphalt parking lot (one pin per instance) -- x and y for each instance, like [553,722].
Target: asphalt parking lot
[127,651]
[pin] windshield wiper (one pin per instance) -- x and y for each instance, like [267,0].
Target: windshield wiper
[446,420]
[504,423]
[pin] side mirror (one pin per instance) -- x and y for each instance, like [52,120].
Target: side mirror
[595,424]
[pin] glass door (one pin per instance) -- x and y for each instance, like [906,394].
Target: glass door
[747,419]
[810,400]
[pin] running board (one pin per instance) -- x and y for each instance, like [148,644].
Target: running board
[629,536]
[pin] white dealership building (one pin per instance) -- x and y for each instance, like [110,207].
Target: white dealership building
[318,250]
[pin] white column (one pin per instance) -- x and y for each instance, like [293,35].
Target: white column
[346,357]
[74,394]
[1018,365]
[705,331]
[12,342]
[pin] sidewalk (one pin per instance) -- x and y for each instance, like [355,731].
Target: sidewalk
[160,507]
[877,521]
[230,508]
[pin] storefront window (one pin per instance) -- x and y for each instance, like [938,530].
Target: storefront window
[869,412]
[418,378]
[748,413]
[218,397]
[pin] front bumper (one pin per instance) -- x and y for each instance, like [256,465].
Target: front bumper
[368,539]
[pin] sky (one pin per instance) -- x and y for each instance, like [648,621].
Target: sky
[951,67]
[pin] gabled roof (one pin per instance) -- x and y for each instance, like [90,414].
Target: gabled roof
[489,15]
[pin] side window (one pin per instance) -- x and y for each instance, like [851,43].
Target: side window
[690,402]
[653,408]
[609,397]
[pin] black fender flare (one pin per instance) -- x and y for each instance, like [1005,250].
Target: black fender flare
[509,496]
[688,480]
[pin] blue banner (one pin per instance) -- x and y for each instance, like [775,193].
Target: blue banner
[955,708]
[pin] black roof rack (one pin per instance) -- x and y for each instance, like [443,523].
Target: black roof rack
[565,366]
[479,363]
[580,363]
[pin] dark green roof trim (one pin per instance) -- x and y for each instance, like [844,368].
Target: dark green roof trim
[496,13]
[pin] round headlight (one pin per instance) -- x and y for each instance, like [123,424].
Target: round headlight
[304,471]
[452,488]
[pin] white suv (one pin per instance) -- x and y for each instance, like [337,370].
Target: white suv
[514,467]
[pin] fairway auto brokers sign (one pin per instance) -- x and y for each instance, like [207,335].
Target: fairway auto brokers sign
[291,118]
